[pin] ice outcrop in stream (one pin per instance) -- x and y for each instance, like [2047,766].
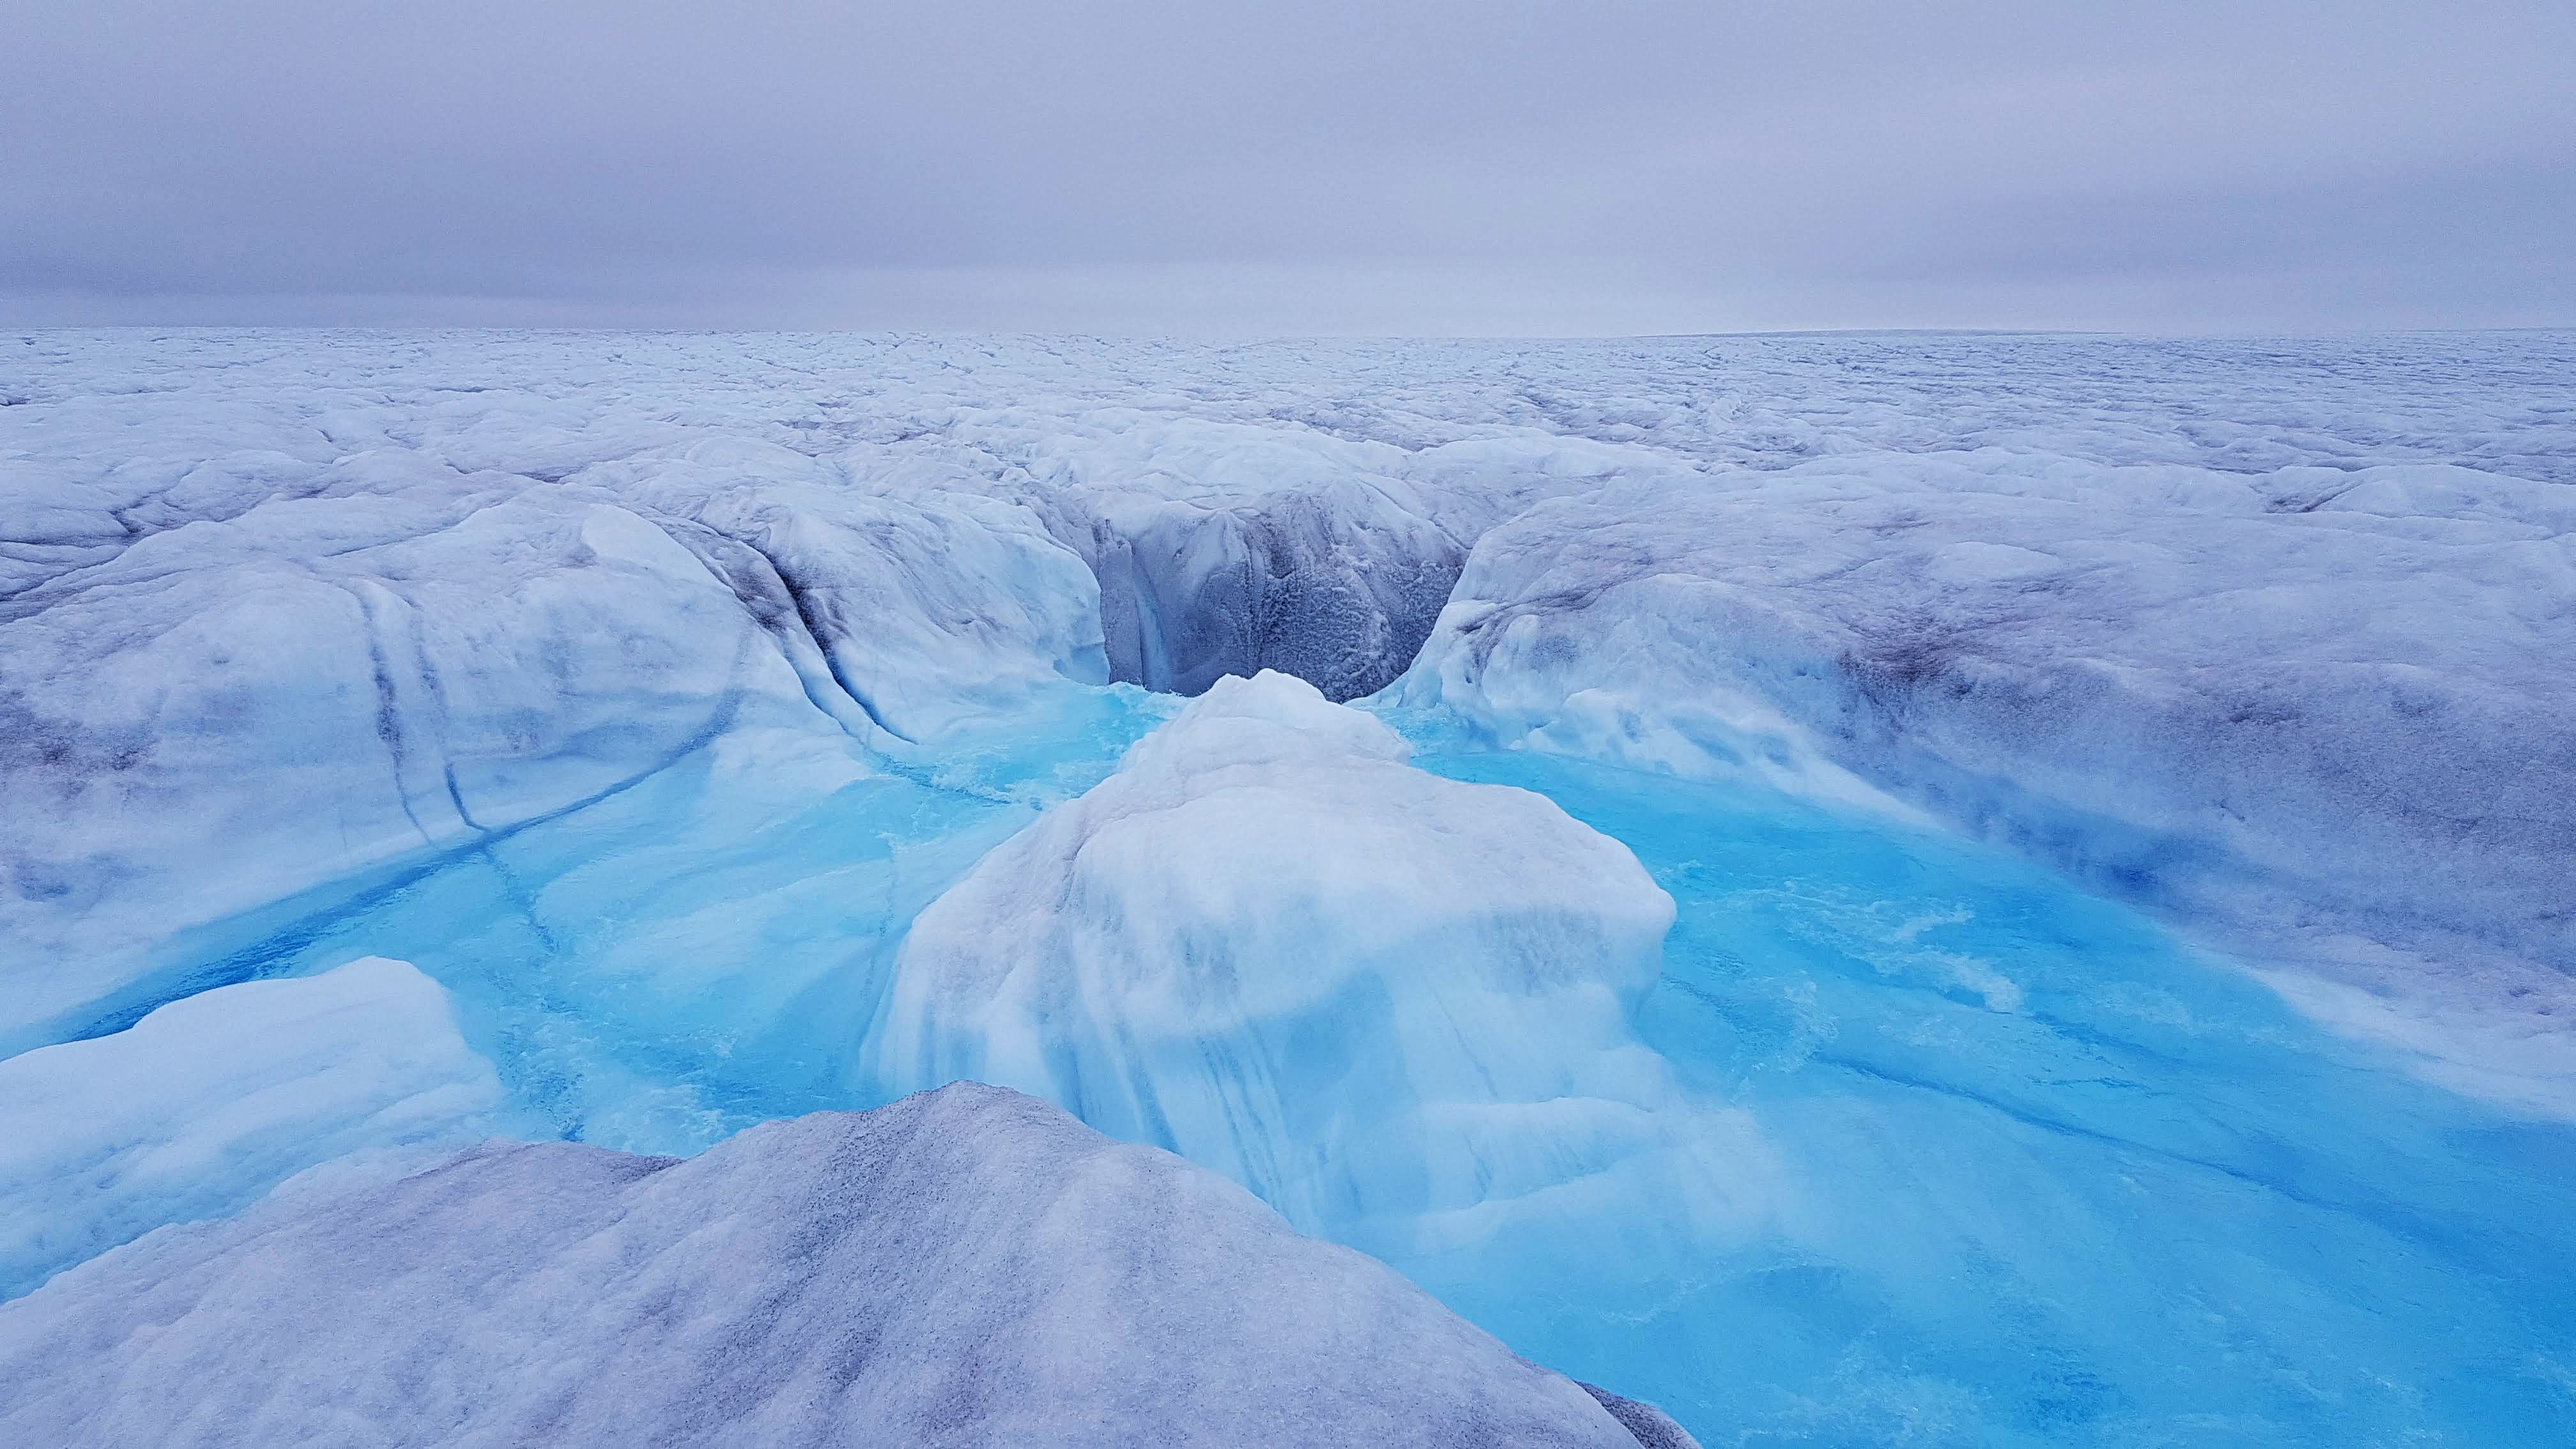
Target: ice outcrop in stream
[964,1267]
[203,1105]
[1388,1002]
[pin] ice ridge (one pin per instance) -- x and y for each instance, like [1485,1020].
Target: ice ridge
[963,1267]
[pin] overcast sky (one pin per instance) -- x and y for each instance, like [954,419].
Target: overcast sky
[1232,167]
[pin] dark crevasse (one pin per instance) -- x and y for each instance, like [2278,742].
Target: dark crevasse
[1337,586]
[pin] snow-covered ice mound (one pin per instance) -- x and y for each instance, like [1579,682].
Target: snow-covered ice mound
[1381,999]
[339,600]
[210,1101]
[963,1267]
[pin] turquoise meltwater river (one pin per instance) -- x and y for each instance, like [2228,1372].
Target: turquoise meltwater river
[2030,1170]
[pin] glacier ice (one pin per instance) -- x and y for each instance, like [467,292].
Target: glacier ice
[2170,682]
[962,1267]
[322,689]
[286,552]
[643,691]
[2042,1173]
[1383,1000]
[208,1102]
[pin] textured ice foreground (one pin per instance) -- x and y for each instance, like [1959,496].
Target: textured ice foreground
[1388,1002]
[643,691]
[966,1267]
[2321,706]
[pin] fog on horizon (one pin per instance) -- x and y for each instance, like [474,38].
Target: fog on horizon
[1406,167]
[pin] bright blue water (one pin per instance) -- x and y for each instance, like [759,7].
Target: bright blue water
[2038,1173]
[698,953]
[2052,1177]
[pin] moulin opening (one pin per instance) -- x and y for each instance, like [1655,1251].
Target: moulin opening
[1337,587]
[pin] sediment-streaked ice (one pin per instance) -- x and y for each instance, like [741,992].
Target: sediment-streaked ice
[2318,712]
[964,1267]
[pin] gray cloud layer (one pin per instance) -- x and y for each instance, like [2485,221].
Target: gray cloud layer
[1409,165]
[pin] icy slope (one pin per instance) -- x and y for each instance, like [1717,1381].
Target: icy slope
[205,1104]
[1387,1002]
[965,1267]
[2306,706]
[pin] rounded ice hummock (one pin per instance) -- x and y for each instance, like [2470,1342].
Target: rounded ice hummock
[1390,1003]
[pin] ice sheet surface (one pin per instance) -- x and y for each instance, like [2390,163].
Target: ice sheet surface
[1396,1006]
[2111,791]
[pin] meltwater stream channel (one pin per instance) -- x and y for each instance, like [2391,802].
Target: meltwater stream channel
[2017,1166]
